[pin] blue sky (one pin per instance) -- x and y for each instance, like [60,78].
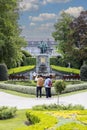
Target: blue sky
[37,17]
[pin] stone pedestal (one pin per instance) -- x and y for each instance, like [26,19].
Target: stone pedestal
[42,64]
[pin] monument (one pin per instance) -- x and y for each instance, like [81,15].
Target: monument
[43,47]
[42,60]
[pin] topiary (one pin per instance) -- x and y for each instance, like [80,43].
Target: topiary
[59,86]
[83,72]
[3,72]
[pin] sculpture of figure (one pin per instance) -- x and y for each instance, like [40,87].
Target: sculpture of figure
[43,47]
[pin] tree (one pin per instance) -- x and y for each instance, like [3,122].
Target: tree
[62,35]
[3,72]
[10,40]
[62,32]
[79,27]
[72,38]
[59,86]
[83,72]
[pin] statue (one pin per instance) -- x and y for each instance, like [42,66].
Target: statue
[43,47]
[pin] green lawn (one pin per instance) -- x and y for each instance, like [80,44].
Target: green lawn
[16,122]
[65,119]
[17,93]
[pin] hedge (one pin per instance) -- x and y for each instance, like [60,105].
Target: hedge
[43,121]
[32,90]
[21,69]
[65,69]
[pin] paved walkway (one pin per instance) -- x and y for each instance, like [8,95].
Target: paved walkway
[22,102]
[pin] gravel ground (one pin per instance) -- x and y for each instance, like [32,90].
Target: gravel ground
[24,103]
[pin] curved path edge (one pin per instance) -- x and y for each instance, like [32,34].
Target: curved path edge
[24,103]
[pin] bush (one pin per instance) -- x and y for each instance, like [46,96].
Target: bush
[83,73]
[32,90]
[59,86]
[32,118]
[58,107]
[6,113]
[3,72]
[19,88]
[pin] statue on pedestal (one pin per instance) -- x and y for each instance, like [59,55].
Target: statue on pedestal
[43,47]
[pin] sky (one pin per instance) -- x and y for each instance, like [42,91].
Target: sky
[37,17]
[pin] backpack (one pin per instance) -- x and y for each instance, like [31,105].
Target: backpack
[49,83]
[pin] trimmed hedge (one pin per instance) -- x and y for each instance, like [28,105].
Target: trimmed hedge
[18,88]
[65,69]
[32,90]
[21,69]
[31,61]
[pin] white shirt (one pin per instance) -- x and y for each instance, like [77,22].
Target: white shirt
[47,82]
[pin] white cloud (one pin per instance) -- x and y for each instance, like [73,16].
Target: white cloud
[32,24]
[55,1]
[39,32]
[74,11]
[43,16]
[29,5]
[35,4]
[47,26]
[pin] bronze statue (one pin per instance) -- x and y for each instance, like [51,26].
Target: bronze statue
[43,47]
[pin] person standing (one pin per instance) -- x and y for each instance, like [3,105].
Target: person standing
[40,83]
[48,84]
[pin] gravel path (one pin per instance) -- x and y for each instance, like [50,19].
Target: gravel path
[23,103]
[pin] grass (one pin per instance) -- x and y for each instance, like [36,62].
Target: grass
[65,117]
[17,93]
[65,69]
[20,69]
[21,82]
[16,122]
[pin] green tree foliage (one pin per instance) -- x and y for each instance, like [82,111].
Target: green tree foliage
[79,27]
[3,72]
[83,72]
[71,34]
[62,35]
[62,32]
[10,40]
[59,86]
[27,59]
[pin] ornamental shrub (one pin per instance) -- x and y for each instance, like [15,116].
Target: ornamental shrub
[32,118]
[59,86]
[83,72]
[3,72]
[6,112]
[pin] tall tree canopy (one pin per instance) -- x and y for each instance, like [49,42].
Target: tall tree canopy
[79,27]
[71,34]
[10,40]
[62,32]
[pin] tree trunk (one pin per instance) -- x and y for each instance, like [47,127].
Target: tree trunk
[58,99]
